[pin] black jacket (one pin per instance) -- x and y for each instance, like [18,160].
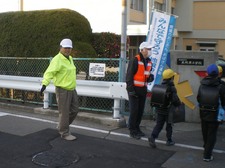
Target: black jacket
[131,71]
[221,81]
[211,82]
[173,98]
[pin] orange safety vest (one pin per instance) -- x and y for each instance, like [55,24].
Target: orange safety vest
[142,73]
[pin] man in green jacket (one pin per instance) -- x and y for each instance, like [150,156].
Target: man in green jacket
[63,73]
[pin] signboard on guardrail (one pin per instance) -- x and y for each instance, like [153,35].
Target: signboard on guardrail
[97,70]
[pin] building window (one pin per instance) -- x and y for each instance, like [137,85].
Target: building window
[132,52]
[137,5]
[158,6]
[172,10]
[207,48]
[188,47]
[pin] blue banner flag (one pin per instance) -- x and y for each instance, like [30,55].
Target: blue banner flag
[160,36]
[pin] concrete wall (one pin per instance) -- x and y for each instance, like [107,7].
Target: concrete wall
[187,72]
[184,11]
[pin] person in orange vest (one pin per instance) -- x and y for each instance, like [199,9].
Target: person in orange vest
[138,75]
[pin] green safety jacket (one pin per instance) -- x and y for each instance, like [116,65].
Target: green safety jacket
[62,71]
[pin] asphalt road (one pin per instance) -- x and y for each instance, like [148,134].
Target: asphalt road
[31,140]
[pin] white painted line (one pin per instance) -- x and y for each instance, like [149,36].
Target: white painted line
[33,118]
[90,129]
[108,132]
[185,146]
[3,114]
[119,134]
[54,122]
[218,151]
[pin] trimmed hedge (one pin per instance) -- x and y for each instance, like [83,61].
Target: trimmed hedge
[38,33]
[106,45]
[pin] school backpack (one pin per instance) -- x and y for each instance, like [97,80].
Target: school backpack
[160,96]
[209,98]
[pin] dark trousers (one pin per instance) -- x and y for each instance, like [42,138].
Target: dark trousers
[209,133]
[136,106]
[160,121]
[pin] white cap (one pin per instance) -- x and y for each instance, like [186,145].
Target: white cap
[66,43]
[145,45]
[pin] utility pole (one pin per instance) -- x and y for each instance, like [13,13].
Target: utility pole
[120,106]
[123,42]
[21,5]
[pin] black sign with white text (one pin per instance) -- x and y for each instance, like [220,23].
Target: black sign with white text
[188,61]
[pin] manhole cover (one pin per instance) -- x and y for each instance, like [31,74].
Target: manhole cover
[55,159]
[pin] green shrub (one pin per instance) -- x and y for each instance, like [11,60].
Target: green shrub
[38,33]
[84,50]
[106,45]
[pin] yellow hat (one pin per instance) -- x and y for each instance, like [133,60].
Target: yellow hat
[220,69]
[168,73]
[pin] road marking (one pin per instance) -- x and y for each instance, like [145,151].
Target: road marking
[119,134]
[3,114]
[107,132]
[90,129]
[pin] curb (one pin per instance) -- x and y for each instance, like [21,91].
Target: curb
[102,119]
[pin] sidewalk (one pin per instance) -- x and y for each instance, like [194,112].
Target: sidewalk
[188,148]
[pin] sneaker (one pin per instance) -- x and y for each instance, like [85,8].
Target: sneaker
[140,133]
[152,142]
[170,143]
[135,135]
[69,137]
[208,159]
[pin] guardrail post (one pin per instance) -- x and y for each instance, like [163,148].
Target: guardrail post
[46,100]
[116,109]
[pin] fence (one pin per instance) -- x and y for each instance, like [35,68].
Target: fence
[35,67]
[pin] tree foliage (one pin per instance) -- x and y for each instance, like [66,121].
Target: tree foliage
[38,33]
[106,45]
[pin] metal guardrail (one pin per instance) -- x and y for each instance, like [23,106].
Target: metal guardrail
[111,90]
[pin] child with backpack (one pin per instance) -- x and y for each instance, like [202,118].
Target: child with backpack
[164,96]
[221,111]
[211,95]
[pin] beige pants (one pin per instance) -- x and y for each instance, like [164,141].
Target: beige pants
[68,108]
